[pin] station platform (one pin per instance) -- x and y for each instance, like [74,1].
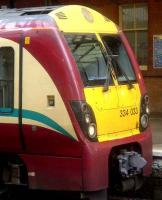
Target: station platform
[156,178]
[156,126]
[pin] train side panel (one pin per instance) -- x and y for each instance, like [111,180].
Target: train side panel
[48,133]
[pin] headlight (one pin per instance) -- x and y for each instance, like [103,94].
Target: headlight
[145,112]
[86,119]
[92,131]
[144,121]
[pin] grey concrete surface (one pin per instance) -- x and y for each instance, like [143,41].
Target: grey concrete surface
[156,126]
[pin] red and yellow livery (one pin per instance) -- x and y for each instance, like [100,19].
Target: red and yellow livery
[73,105]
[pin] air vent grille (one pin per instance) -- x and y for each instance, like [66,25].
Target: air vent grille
[61,15]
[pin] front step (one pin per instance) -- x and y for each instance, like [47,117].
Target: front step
[95,195]
[3,190]
[12,174]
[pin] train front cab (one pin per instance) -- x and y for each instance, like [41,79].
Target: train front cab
[105,139]
[114,117]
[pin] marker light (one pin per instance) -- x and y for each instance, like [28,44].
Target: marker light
[87,118]
[146,99]
[147,110]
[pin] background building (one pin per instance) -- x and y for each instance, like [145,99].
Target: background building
[142,22]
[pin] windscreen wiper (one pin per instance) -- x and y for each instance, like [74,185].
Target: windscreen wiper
[109,67]
[118,64]
[124,74]
[108,74]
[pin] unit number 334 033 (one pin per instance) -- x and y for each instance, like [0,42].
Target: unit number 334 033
[127,112]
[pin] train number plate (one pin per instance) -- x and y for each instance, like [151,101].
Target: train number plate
[128,112]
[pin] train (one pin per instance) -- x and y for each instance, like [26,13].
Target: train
[74,110]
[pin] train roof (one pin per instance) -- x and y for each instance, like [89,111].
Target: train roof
[6,13]
[70,18]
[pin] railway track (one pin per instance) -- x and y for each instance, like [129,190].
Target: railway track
[64,196]
[145,194]
[24,194]
[151,190]
[128,198]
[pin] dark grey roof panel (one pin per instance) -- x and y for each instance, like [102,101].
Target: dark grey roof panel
[5,13]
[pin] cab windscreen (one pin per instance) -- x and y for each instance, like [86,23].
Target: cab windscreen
[89,57]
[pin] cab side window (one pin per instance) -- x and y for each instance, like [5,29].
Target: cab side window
[6,78]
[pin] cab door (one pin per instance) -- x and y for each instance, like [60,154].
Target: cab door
[103,99]
[9,93]
[127,86]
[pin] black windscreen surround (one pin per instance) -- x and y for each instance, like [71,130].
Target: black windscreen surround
[6,77]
